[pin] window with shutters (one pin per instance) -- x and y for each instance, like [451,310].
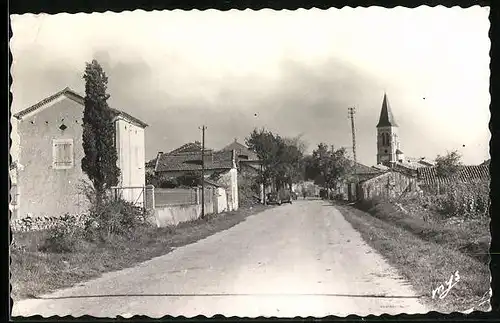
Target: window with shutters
[62,154]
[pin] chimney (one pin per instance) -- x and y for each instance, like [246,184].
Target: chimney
[157,160]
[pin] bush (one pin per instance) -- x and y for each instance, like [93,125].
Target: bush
[368,205]
[470,200]
[114,217]
[248,190]
[111,220]
[63,237]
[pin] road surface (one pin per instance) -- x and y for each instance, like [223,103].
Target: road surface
[302,259]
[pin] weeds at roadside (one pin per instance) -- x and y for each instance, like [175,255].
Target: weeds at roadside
[426,264]
[34,272]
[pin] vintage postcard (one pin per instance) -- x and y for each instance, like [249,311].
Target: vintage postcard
[250,163]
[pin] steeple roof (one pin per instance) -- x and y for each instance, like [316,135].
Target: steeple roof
[386,117]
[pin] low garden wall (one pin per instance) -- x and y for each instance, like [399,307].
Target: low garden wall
[29,223]
[175,214]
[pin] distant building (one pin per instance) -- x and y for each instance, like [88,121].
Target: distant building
[51,151]
[429,179]
[187,160]
[249,166]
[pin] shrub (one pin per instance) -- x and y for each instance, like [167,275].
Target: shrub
[248,190]
[114,217]
[367,205]
[63,237]
[469,200]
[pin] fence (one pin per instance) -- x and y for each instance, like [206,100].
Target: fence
[141,196]
[180,196]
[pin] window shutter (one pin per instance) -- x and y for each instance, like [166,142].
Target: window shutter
[62,153]
[66,152]
[58,154]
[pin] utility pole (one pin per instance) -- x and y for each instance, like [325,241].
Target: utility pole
[351,112]
[202,128]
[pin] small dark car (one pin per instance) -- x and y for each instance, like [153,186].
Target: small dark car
[280,197]
[272,198]
[285,196]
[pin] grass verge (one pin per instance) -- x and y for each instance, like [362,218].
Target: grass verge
[425,264]
[471,237]
[34,272]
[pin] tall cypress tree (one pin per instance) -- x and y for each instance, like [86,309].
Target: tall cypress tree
[100,160]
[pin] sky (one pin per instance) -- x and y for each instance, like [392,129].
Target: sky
[292,72]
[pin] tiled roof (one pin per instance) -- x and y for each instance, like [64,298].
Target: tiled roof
[191,161]
[212,183]
[73,95]
[429,176]
[363,169]
[380,167]
[386,118]
[189,147]
[419,162]
[151,163]
[241,150]
[365,173]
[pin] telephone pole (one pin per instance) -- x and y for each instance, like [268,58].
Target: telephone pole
[203,128]
[351,112]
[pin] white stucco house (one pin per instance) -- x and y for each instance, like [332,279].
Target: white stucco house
[51,151]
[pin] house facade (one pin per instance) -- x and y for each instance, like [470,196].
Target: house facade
[249,166]
[187,160]
[391,184]
[51,151]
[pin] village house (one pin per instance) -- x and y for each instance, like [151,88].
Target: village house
[186,159]
[430,181]
[348,188]
[51,151]
[249,166]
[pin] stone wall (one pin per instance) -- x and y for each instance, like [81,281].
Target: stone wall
[388,185]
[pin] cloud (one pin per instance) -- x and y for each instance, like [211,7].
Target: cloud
[292,72]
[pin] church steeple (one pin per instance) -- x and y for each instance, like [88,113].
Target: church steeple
[388,151]
[386,118]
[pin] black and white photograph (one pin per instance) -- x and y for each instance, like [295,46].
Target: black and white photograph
[250,163]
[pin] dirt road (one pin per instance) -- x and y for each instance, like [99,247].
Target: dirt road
[293,260]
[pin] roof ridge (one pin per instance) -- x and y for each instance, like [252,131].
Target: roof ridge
[67,90]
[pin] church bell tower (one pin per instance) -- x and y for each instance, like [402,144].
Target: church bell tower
[388,151]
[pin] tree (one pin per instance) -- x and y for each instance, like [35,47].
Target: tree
[449,164]
[328,166]
[266,146]
[100,160]
[280,157]
[293,160]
